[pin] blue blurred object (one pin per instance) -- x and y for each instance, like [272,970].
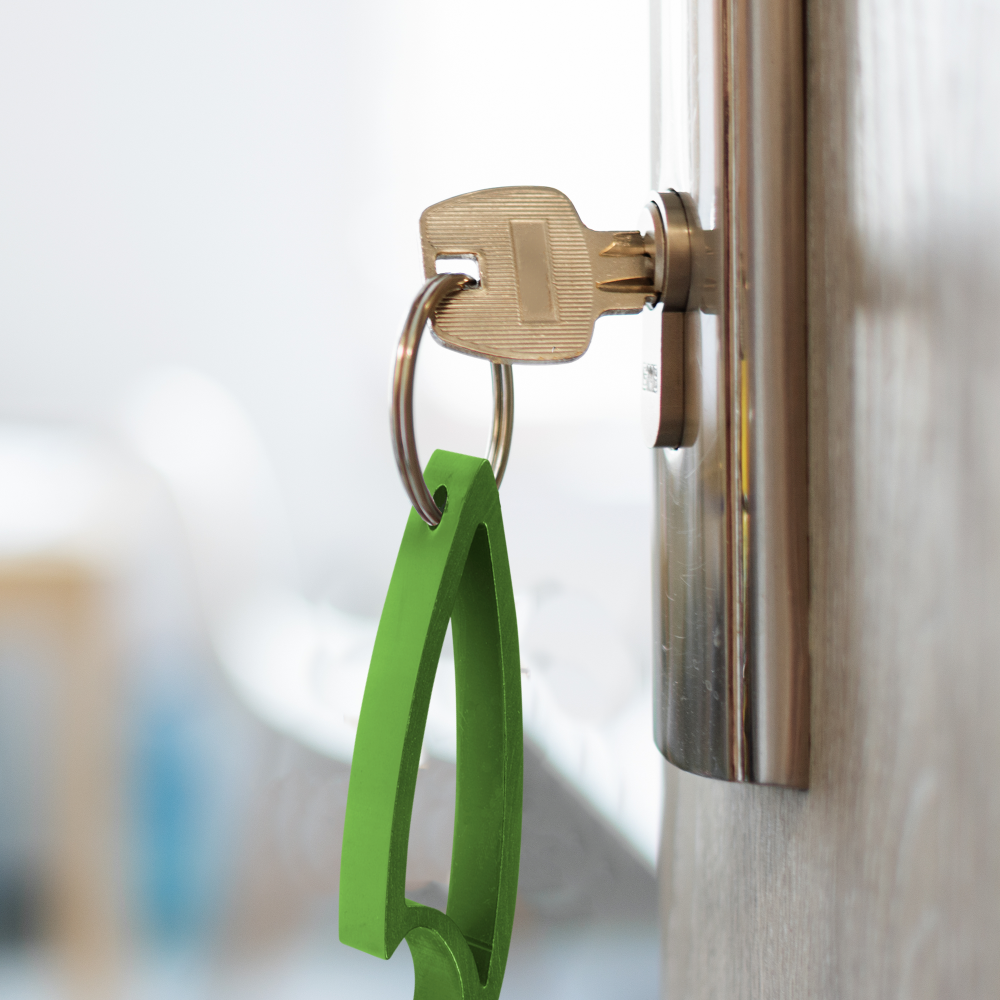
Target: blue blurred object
[183,802]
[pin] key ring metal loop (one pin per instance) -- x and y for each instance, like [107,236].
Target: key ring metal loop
[404,443]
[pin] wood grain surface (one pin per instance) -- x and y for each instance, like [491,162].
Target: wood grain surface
[883,880]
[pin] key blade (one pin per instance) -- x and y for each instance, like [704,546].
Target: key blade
[623,272]
[630,244]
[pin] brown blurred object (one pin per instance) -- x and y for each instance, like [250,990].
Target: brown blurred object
[60,606]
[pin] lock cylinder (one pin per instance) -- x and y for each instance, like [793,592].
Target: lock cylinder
[666,234]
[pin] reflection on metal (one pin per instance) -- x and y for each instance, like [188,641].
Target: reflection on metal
[732,560]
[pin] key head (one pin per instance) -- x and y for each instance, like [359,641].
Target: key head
[536,297]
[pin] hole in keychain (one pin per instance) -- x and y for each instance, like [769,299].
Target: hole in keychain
[460,263]
[441,500]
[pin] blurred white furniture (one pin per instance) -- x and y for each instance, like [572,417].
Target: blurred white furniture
[299,666]
[302,667]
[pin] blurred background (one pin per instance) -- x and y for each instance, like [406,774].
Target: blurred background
[208,244]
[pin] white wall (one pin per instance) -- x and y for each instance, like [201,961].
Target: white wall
[235,187]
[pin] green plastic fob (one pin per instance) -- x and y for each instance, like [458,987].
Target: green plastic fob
[458,571]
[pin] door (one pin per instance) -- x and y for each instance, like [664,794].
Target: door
[883,878]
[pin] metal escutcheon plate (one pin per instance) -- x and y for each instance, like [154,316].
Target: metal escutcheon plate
[732,663]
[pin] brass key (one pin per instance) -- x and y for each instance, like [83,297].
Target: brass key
[545,277]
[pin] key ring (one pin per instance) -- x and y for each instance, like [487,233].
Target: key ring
[404,444]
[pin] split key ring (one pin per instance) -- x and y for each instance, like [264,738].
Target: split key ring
[404,443]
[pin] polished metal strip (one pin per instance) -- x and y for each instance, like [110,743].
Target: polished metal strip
[732,545]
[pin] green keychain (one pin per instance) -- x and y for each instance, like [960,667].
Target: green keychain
[455,569]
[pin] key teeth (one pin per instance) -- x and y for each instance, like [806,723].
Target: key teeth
[625,245]
[626,285]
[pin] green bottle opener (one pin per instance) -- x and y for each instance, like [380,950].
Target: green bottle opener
[457,570]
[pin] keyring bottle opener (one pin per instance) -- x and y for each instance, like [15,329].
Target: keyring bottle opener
[452,564]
